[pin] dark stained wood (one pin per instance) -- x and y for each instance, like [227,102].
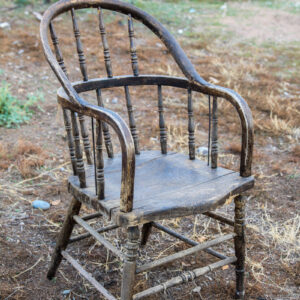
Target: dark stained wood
[106,52]
[68,127]
[63,237]
[240,246]
[162,125]
[184,278]
[167,185]
[219,218]
[106,133]
[183,253]
[66,114]
[134,58]
[80,165]
[129,267]
[79,47]
[191,126]
[58,53]
[146,230]
[214,136]
[83,69]
[100,162]
[132,121]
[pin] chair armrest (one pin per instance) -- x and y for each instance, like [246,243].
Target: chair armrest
[245,116]
[125,138]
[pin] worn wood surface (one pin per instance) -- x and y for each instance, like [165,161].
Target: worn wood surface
[240,245]
[189,187]
[183,253]
[184,277]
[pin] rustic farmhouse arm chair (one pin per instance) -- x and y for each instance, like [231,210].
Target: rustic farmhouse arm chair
[138,188]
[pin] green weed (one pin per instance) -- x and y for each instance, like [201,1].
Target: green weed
[13,112]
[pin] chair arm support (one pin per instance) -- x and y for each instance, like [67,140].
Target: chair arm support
[125,138]
[245,116]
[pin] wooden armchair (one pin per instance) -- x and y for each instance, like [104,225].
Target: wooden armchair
[137,188]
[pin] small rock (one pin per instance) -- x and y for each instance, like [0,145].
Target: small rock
[21,51]
[40,204]
[4,25]
[114,100]
[66,292]
[202,150]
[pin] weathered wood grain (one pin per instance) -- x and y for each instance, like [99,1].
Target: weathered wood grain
[191,126]
[132,124]
[162,125]
[134,58]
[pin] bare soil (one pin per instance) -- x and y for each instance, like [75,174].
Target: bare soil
[35,163]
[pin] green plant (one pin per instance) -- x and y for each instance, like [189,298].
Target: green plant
[22,2]
[13,112]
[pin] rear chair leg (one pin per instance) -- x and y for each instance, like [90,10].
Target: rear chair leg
[146,231]
[239,243]
[63,237]
[129,267]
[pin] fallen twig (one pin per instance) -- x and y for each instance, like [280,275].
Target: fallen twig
[28,268]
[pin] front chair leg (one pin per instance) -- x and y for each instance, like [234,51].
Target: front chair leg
[239,243]
[129,267]
[63,237]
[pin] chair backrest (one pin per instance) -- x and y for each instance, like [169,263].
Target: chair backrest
[192,83]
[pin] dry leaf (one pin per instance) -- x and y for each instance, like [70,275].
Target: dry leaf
[56,202]
[225,267]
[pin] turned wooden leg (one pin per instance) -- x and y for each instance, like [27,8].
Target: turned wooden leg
[146,230]
[129,267]
[239,242]
[63,237]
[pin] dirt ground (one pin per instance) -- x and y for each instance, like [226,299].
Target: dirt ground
[249,47]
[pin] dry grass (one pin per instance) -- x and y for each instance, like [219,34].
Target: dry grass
[25,156]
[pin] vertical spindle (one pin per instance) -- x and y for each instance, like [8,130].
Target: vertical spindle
[214,138]
[58,53]
[67,121]
[162,126]
[100,162]
[83,69]
[66,114]
[132,121]
[78,152]
[106,133]
[94,153]
[106,52]
[191,126]
[134,58]
[209,130]
[79,47]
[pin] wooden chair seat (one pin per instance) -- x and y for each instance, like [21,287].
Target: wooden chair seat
[165,185]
